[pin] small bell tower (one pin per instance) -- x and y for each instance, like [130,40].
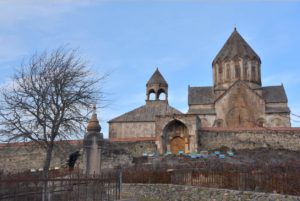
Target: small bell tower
[158,86]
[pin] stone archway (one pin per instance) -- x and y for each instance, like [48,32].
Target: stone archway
[176,137]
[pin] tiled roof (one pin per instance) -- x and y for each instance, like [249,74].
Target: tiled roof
[236,46]
[274,94]
[147,112]
[200,95]
[205,95]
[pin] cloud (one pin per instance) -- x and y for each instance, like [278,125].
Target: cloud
[16,11]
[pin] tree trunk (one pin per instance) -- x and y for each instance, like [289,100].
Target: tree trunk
[46,170]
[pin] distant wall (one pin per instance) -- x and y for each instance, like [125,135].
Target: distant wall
[169,192]
[137,148]
[279,138]
[131,129]
[18,157]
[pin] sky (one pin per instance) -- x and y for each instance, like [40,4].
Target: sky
[130,39]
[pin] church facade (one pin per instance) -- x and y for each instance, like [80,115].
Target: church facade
[237,99]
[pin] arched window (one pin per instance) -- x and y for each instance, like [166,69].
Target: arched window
[237,71]
[253,73]
[228,77]
[246,73]
[220,71]
[161,94]
[151,94]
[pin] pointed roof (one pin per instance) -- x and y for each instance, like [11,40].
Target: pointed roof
[236,46]
[157,78]
[93,124]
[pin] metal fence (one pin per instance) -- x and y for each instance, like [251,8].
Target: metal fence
[268,179]
[69,187]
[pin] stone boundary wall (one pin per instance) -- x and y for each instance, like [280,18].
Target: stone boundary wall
[279,138]
[136,148]
[19,157]
[169,192]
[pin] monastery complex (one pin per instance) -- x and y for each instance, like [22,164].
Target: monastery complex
[236,100]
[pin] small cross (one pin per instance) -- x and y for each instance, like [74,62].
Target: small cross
[94,108]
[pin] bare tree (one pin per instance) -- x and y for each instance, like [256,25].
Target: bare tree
[48,99]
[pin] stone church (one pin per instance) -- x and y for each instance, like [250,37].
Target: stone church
[236,100]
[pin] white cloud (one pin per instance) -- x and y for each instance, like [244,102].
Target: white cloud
[15,11]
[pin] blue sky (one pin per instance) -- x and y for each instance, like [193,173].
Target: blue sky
[132,38]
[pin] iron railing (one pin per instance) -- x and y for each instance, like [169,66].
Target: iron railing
[284,180]
[69,187]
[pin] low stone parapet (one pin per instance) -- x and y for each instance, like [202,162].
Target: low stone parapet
[169,192]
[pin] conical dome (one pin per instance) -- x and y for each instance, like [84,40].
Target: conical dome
[93,125]
[157,78]
[236,61]
[236,46]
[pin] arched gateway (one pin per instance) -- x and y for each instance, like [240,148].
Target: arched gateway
[176,137]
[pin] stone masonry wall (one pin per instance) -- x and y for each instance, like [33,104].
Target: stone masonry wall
[281,138]
[131,129]
[18,157]
[137,148]
[168,192]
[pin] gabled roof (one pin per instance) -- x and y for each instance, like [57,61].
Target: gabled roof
[201,95]
[147,112]
[274,94]
[157,78]
[236,46]
[205,95]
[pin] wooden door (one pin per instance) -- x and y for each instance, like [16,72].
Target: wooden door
[177,144]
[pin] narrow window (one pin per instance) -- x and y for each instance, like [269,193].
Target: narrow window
[227,72]
[237,71]
[253,73]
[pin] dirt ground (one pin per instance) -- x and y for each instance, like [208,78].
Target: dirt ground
[245,158]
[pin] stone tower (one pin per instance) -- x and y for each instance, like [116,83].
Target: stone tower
[236,61]
[157,85]
[237,98]
[92,146]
